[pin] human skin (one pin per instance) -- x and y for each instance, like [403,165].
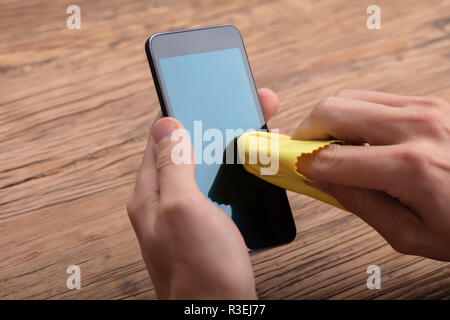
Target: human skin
[395,176]
[192,249]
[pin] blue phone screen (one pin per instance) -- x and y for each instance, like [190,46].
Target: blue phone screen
[211,87]
[215,91]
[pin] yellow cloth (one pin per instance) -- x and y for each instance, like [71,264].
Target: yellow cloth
[287,176]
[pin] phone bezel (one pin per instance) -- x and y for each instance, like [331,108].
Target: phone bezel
[192,41]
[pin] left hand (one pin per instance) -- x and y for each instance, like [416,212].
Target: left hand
[192,249]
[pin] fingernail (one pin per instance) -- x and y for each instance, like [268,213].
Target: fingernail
[163,128]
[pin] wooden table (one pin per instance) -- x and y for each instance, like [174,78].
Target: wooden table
[76,106]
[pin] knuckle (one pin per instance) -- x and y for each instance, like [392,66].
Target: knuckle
[432,118]
[138,204]
[327,109]
[182,209]
[412,158]
[432,101]
[430,121]
[344,93]
[164,159]
[325,105]
[327,158]
[412,165]
[175,206]
[328,102]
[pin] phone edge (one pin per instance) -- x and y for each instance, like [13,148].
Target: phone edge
[155,77]
[165,113]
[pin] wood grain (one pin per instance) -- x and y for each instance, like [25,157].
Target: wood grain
[75,109]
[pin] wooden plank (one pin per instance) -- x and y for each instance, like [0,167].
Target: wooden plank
[76,106]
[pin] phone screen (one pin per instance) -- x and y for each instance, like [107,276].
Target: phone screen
[210,89]
[213,95]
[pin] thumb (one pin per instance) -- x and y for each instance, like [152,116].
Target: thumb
[174,158]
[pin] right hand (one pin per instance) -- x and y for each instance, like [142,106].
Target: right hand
[400,183]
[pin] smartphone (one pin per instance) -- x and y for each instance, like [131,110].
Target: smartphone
[203,79]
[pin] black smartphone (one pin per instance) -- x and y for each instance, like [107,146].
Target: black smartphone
[203,79]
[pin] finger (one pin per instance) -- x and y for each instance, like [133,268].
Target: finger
[388,99]
[174,156]
[278,130]
[269,102]
[394,222]
[393,100]
[385,168]
[354,121]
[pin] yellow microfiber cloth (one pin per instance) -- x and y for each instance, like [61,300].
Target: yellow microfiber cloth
[258,158]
